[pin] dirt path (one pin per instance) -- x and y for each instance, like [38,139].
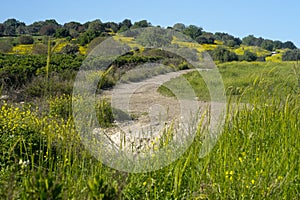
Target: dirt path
[152,112]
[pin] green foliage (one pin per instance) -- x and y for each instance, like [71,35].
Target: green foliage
[248,56]
[19,135]
[5,46]
[141,24]
[99,189]
[43,186]
[289,45]
[193,31]
[268,45]
[154,37]
[291,55]
[104,113]
[26,39]
[255,157]
[223,55]
[62,33]
[70,49]
[39,48]
[227,39]
[60,106]
[95,42]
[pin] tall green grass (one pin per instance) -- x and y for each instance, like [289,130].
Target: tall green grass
[256,157]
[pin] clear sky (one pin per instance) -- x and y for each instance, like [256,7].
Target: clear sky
[277,19]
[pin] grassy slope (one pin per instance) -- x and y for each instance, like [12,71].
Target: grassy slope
[256,157]
[239,76]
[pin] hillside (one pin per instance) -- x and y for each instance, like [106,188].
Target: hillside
[101,110]
[73,37]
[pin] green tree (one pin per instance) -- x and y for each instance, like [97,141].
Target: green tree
[96,26]
[277,44]
[48,30]
[125,25]
[289,45]
[250,40]
[193,31]
[141,24]
[291,55]
[223,55]
[2,28]
[268,45]
[62,33]
[11,26]
[249,56]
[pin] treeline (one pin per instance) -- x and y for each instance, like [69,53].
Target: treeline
[85,33]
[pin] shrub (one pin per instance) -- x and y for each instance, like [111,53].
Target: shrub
[249,56]
[39,49]
[5,47]
[26,39]
[70,49]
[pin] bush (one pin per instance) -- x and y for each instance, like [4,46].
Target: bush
[291,55]
[26,39]
[223,55]
[70,49]
[249,56]
[5,47]
[39,49]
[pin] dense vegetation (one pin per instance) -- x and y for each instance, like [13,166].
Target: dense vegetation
[42,156]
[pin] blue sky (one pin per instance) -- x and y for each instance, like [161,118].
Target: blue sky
[277,19]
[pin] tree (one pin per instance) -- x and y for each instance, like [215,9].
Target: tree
[72,25]
[11,26]
[277,44]
[34,28]
[223,55]
[249,56]
[47,30]
[2,28]
[26,39]
[268,45]
[179,27]
[114,27]
[289,45]
[141,24]
[125,25]
[291,55]
[193,31]
[96,26]
[206,38]
[250,40]
[62,33]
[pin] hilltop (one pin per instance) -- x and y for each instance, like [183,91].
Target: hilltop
[75,38]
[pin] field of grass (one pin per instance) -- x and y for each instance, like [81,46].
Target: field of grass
[241,76]
[256,157]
